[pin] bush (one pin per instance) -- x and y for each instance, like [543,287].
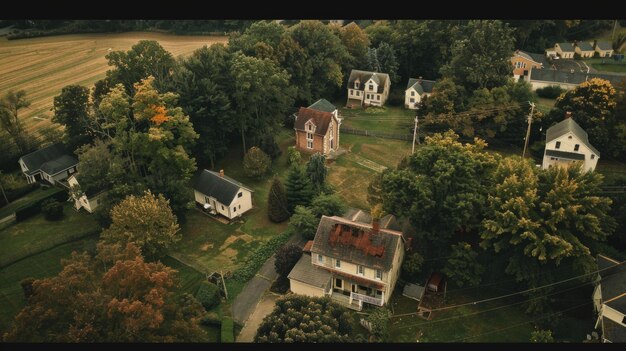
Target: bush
[254,261]
[550,92]
[280,286]
[52,209]
[293,156]
[208,295]
[303,221]
[287,257]
[329,205]
[256,163]
[227,333]
[33,208]
[211,319]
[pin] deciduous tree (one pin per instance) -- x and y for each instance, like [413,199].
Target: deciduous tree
[72,109]
[286,257]
[256,163]
[303,221]
[10,105]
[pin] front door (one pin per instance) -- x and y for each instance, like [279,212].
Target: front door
[353,288]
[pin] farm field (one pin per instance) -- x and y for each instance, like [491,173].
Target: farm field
[42,66]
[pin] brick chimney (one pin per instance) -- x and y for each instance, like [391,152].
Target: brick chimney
[375,225]
[568,114]
[221,173]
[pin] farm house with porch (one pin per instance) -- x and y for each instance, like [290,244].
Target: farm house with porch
[353,259]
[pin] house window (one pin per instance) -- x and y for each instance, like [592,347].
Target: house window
[338,263]
[378,97]
[339,283]
[356,85]
[558,145]
[552,158]
[593,156]
[240,194]
[222,207]
[239,207]
[309,144]
[358,93]
[309,136]
[412,99]
[524,65]
[569,137]
[379,274]
[371,86]
[367,96]
[309,127]
[576,147]
[97,201]
[235,209]
[412,93]
[360,270]
[320,258]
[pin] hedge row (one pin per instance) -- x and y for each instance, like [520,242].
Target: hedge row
[227,333]
[33,208]
[254,261]
[17,193]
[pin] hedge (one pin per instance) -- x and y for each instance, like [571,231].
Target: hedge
[550,92]
[227,333]
[17,193]
[33,208]
[208,295]
[255,260]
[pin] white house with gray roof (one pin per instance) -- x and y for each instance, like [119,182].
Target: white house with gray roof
[603,48]
[584,49]
[220,194]
[416,90]
[354,259]
[566,144]
[565,50]
[367,88]
[50,164]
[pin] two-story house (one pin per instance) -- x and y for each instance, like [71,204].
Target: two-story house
[609,299]
[416,90]
[221,195]
[88,200]
[523,62]
[50,164]
[317,129]
[603,48]
[584,49]
[567,143]
[367,88]
[564,50]
[353,259]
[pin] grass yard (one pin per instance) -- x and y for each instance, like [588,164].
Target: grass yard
[33,196]
[44,264]
[36,234]
[389,119]
[188,277]
[42,66]
[208,245]
[607,65]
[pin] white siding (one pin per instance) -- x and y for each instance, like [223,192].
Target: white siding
[568,145]
[407,98]
[243,203]
[305,289]
[612,314]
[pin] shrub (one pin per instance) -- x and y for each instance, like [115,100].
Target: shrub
[280,286]
[256,163]
[33,208]
[329,205]
[208,295]
[211,318]
[52,209]
[303,221]
[287,257]
[293,156]
[227,333]
[550,92]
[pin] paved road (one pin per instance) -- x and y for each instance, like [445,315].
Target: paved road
[251,294]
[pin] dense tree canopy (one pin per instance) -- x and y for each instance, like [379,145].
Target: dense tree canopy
[71,109]
[10,105]
[277,210]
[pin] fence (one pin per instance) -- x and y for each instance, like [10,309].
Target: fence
[384,135]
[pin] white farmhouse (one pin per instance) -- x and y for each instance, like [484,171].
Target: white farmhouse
[367,88]
[566,144]
[221,195]
[50,164]
[353,259]
[89,200]
[416,90]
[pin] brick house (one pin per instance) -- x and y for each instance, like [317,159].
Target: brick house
[317,130]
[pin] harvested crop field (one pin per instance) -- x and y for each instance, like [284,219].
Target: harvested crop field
[42,66]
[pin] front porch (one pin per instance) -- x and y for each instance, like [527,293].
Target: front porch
[353,294]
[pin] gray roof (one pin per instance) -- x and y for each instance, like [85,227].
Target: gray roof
[539,58]
[425,87]
[386,238]
[604,45]
[304,271]
[613,284]
[566,46]
[51,159]
[413,291]
[565,154]
[364,76]
[210,183]
[323,105]
[559,76]
[569,125]
[584,46]
[613,331]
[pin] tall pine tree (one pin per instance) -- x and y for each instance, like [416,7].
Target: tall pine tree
[277,210]
[317,171]
[299,188]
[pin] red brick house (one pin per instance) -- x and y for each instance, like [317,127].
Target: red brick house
[316,131]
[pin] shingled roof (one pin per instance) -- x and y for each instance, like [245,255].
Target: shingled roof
[364,76]
[565,154]
[560,76]
[356,242]
[566,47]
[566,126]
[613,284]
[305,272]
[51,159]
[210,183]
[584,46]
[321,120]
[426,86]
[604,45]
[323,105]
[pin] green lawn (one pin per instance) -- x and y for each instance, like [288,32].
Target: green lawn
[44,264]
[389,119]
[607,65]
[188,277]
[208,245]
[37,234]
[30,197]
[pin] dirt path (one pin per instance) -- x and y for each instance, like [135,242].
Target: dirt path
[265,307]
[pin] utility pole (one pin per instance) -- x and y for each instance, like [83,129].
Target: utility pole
[2,188]
[415,132]
[530,121]
[613,35]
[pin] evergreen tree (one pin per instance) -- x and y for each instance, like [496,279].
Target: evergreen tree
[277,202]
[299,189]
[317,171]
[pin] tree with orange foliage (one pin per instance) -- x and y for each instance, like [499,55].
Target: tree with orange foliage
[132,301]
